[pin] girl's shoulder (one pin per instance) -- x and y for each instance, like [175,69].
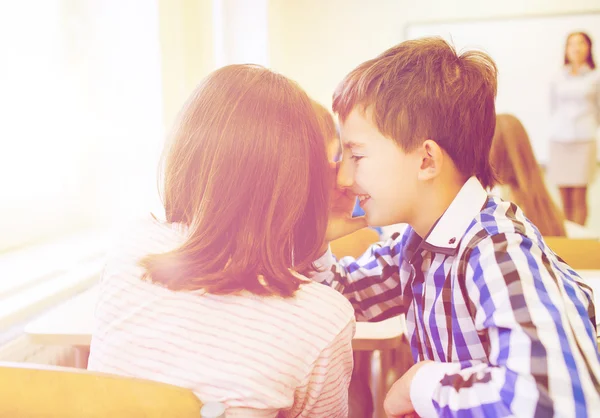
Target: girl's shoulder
[141,236]
[327,298]
[314,309]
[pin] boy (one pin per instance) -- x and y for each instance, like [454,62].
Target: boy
[497,323]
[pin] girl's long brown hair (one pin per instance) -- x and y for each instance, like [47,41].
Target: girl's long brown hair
[246,171]
[515,165]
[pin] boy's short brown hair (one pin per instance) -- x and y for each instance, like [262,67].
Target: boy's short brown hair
[422,89]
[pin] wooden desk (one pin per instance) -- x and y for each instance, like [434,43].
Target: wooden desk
[71,324]
[384,335]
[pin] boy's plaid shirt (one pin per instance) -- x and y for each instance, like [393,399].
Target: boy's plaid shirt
[510,326]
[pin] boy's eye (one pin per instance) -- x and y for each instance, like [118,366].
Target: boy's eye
[356,157]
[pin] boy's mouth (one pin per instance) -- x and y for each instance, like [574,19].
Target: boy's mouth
[363,199]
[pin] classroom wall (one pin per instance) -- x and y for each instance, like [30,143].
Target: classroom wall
[241,32]
[316,42]
[187,50]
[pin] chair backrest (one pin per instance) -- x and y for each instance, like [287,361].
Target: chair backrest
[29,390]
[582,254]
[354,244]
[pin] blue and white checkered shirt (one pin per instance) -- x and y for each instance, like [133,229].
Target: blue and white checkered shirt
[510,326]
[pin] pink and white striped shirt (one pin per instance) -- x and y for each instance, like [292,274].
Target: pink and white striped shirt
[260,356]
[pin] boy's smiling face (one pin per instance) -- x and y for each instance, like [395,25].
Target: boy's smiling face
[375,168]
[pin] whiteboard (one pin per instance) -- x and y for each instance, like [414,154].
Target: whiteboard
[529,52]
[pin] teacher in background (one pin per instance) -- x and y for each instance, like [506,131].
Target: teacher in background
[575,106]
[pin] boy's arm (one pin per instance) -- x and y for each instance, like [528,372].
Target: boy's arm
[371,282]
[543,358]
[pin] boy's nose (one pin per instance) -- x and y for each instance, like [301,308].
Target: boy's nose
[345,175]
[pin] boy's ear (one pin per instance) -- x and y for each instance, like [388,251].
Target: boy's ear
[432,159]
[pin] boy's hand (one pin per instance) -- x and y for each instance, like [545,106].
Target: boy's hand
[397,401]
[341,222]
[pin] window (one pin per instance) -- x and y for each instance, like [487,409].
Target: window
[82,120]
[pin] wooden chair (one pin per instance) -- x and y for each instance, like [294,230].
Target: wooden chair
[580,254]
[29,390]
[354,244]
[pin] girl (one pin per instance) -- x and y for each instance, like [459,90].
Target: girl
[523,183]
[521,177]
[213,298]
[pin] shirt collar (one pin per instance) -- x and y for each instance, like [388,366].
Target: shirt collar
[446,233]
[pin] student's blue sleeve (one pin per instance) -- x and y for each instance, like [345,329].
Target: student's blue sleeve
[543,358]
[371,282]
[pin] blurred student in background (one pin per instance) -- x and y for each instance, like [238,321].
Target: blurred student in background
[212,298]
[520,177]
[575,108]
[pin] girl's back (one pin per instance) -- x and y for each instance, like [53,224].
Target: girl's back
[267,354]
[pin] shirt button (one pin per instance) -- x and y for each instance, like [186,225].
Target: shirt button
[452,240]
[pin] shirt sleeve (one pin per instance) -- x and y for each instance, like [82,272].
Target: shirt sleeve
[371,282]
[543,358]
[325,391]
